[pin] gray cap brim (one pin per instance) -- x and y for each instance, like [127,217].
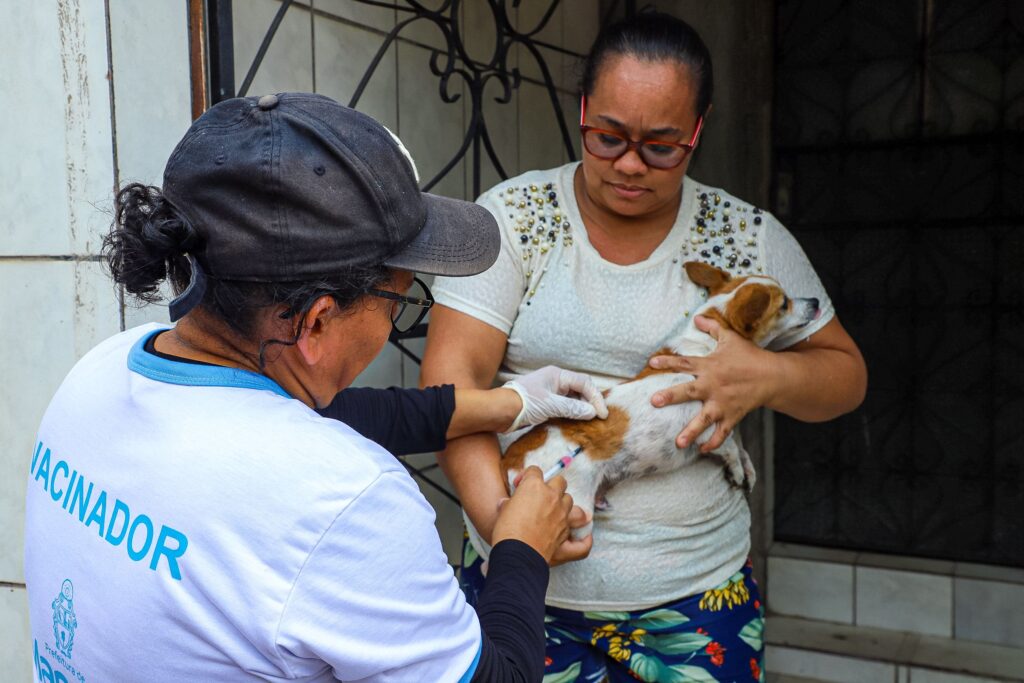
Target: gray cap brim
[458,238]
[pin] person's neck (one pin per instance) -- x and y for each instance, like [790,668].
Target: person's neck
[192,339]
[623,240]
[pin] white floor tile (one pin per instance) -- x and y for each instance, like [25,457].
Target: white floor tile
[989,611]
[904,601]
[816,590]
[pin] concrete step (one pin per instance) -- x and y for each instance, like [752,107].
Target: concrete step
[819,650]
[783,678]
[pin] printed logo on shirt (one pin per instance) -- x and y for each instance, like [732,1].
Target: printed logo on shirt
[116,523]
[64,620]
[47,673]
[65,623]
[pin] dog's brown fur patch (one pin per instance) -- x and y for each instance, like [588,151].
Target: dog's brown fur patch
[601,439]
[754,307]
[516,453]
[715,280]
[749,313]
[648,370]
[700,273]
[745,310]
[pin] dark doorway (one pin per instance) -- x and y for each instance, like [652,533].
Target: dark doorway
[899,165]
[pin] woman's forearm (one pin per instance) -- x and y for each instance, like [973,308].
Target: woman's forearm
[483,410]
[818,384]
[471,464]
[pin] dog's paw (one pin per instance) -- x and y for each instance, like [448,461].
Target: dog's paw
[741,475]
[750,475]
[735,478]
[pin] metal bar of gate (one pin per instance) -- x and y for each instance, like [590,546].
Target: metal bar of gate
[197,57]
[262,52]
[220,38]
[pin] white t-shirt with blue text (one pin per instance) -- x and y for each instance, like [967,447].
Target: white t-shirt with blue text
[188,522]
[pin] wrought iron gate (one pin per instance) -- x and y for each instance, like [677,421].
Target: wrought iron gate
[899,165]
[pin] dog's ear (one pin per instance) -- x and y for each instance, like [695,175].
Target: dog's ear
[747,309]
[714,279]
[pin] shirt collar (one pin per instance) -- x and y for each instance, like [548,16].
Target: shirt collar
[190,374]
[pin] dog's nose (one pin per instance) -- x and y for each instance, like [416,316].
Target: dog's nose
[814,302]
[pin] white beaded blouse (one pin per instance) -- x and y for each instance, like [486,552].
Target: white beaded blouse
[669,535]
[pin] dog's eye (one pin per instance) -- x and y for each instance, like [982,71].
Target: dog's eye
[785,301]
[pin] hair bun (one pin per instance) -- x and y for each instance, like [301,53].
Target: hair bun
[147,242]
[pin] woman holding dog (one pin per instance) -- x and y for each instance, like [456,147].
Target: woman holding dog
[591,277]
[195,516]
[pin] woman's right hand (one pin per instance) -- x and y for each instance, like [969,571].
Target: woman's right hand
[537,514]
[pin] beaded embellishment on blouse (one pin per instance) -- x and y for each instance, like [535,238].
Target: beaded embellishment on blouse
[539,222]
[723,235]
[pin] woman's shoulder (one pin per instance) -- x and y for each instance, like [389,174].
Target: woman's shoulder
[531,182]
[728,232]
[709,197]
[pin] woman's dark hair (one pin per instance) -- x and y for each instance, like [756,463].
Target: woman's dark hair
[148,242]
[652,37]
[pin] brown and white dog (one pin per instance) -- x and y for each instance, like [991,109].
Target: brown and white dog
[637,439]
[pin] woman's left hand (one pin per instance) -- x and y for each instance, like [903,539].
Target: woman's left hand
[736,378]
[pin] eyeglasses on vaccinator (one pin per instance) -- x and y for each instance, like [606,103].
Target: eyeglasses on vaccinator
[409,310]
[611,145]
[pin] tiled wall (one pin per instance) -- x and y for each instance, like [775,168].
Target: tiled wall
[64,149]
[935,598]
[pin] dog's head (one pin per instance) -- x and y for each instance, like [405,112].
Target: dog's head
[753,306]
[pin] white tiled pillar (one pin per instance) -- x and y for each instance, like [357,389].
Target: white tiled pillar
[63,143]
[55,304]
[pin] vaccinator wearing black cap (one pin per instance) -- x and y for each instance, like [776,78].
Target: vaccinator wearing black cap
[191,516]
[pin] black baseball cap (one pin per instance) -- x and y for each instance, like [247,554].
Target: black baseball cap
[294,186]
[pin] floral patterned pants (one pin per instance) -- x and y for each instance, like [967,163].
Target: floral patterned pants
[714,637]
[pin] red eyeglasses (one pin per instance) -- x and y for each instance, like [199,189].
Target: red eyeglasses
[610,145]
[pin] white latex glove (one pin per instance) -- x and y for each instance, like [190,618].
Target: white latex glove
[544,396]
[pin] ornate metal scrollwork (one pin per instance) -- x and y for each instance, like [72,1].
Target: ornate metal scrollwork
[450,64]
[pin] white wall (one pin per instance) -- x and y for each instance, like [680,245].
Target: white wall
[102,92]
[61,156]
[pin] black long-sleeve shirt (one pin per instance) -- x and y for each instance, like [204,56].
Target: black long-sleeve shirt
[511,607]
[403,421]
